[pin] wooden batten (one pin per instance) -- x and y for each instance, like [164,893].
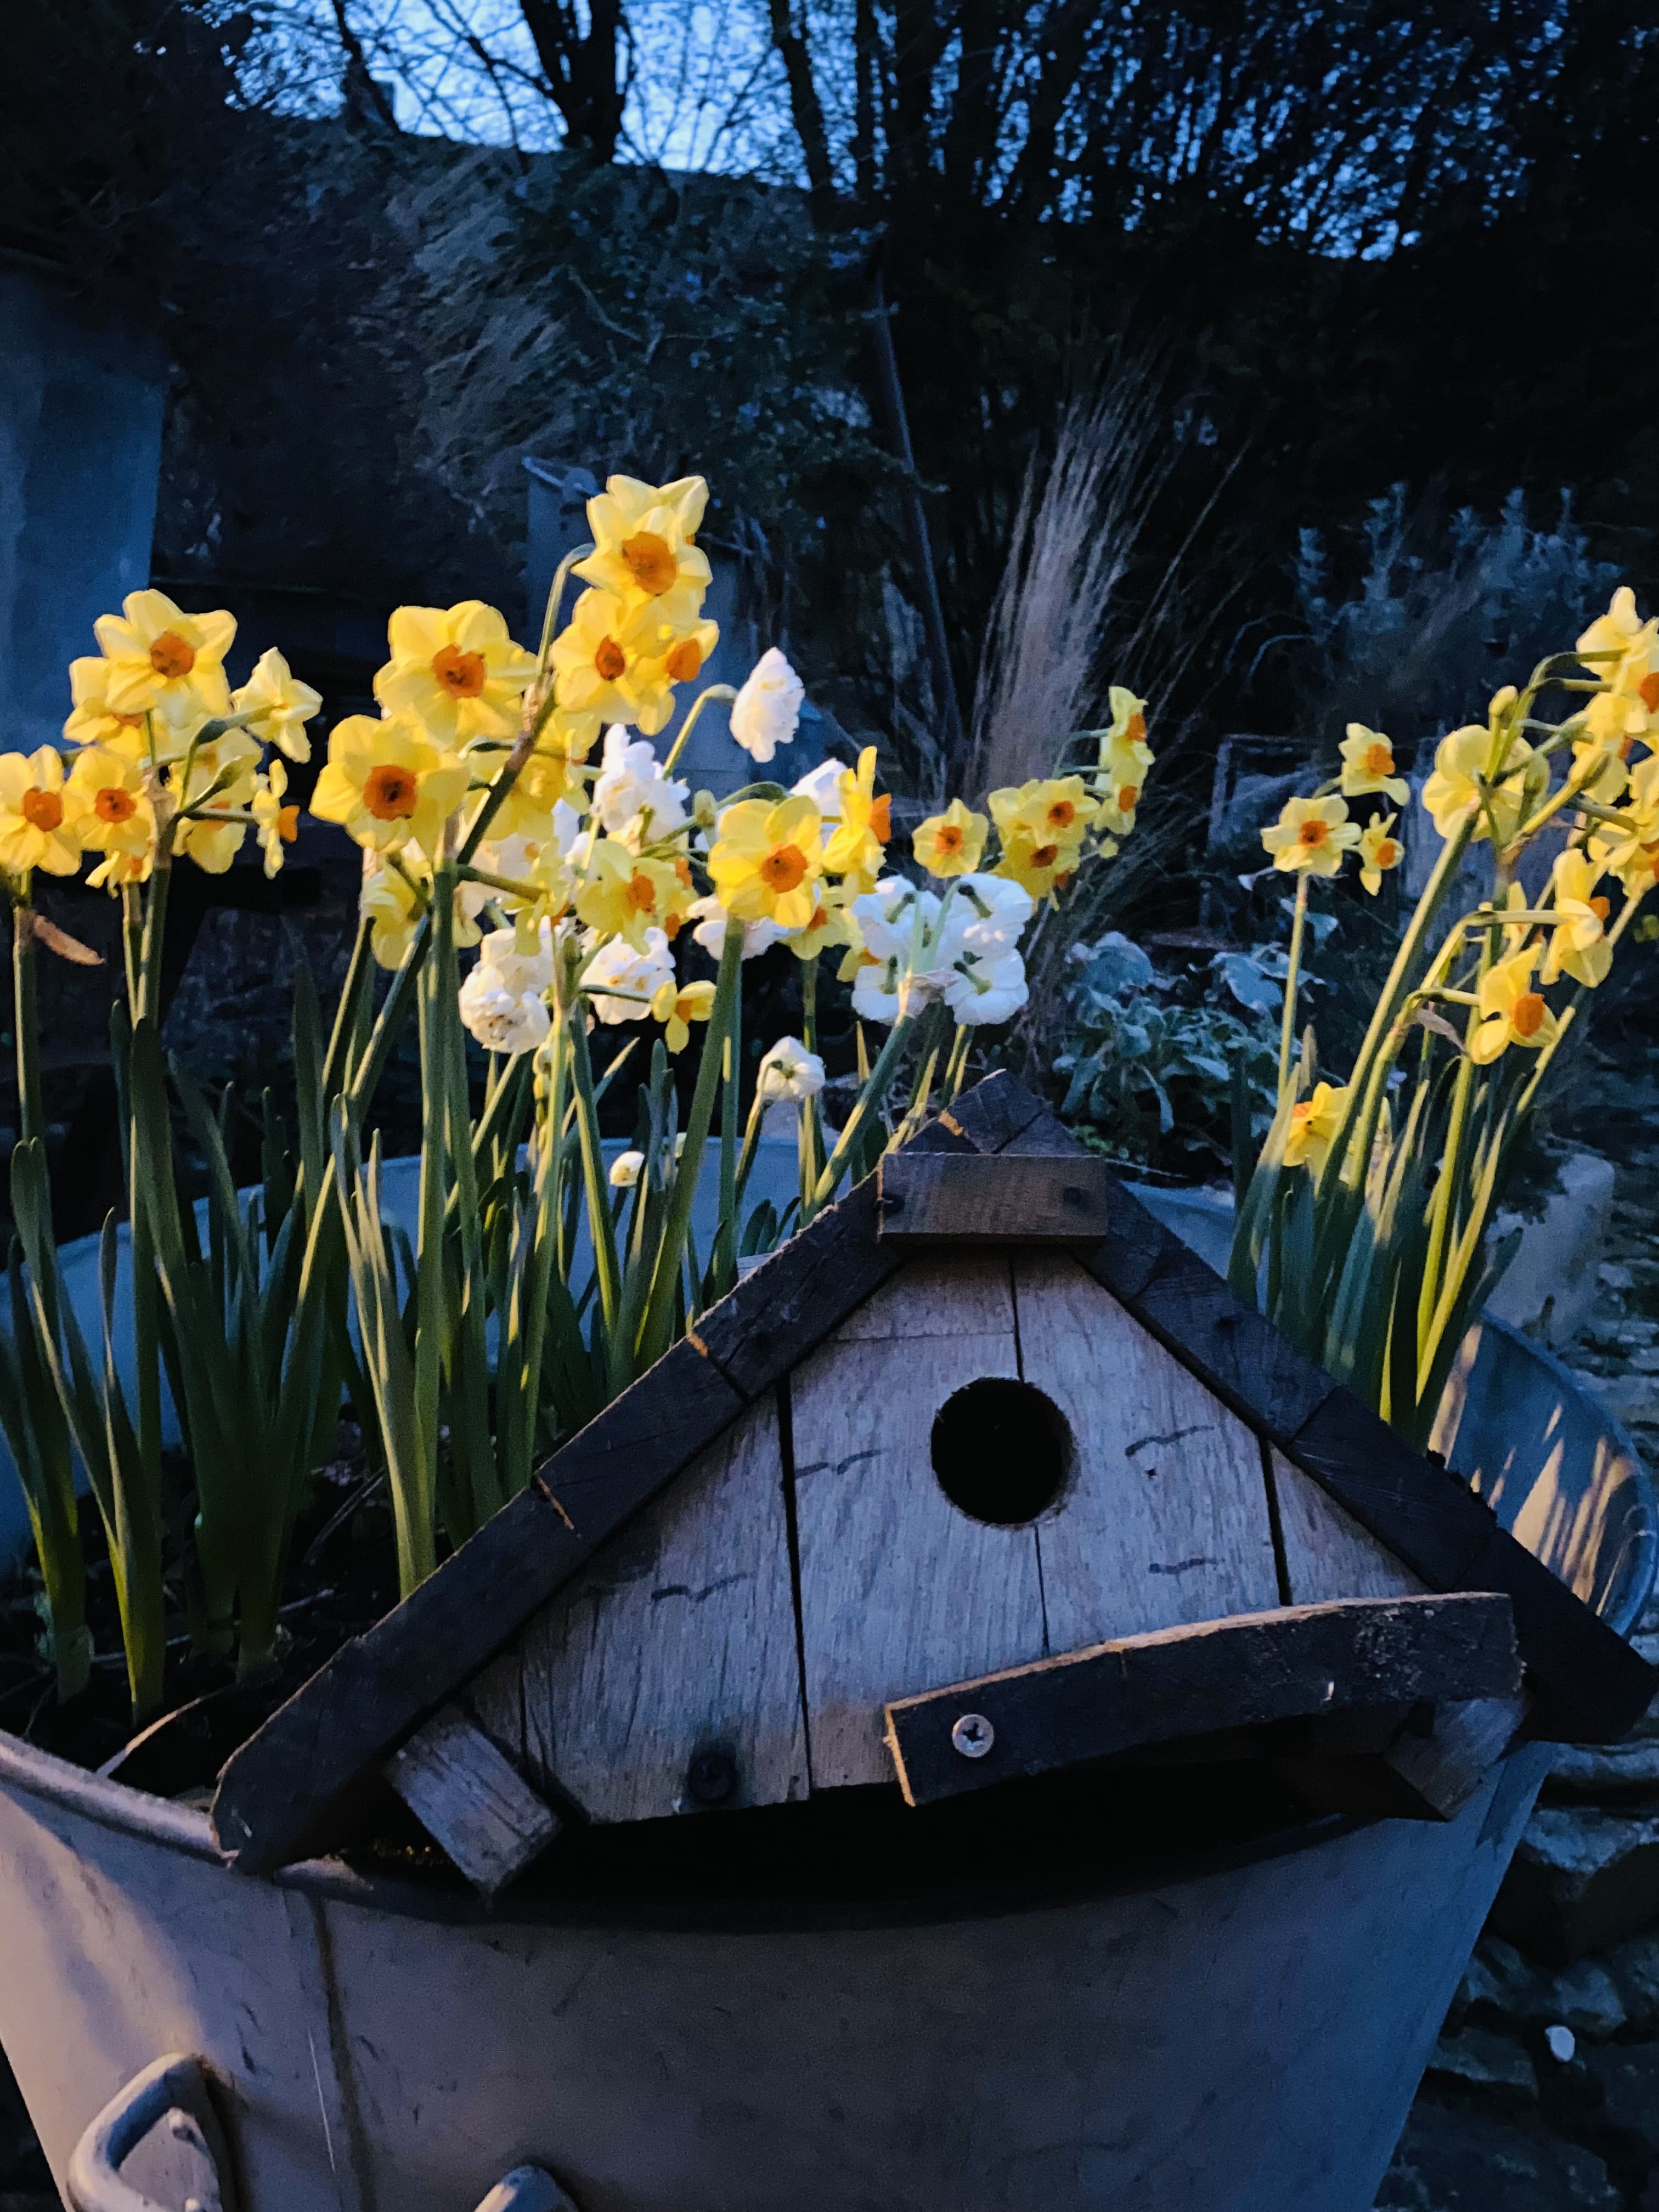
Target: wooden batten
[971,1198]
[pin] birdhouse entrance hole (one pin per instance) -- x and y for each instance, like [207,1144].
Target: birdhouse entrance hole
[1001,1450]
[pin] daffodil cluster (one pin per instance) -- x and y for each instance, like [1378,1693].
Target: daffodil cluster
[163,757]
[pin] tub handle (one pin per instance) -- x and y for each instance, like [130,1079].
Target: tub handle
[527,2189]
[175,2090]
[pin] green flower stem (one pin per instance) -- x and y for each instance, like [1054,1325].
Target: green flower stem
[870,1101]
[335,1069]
[1287,1026]
[30,1106]
[714,691]
[148,1005]
[957,1071]
[556,593]
[571,1013]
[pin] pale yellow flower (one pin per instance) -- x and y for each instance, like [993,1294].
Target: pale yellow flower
[856,849]
[1579,946]
[277,823]
[644,549]
[1630,850]
[767,860]
[456,670]
[623,894]
[679,1004]
[393,912]
[93,720]
[1379,851]
[106,798]
[1620,630]
[37,829]
[552,773]
[387,781]
[1311,835]
[1368,766]
[1512,1012]
[1314,1125]
[608,662]
[276,706]
[832,922]
[951,843]
[1460,761]
[160,657]
[1052,809]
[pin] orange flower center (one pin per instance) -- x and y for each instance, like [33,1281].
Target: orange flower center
[1601,908]
[1128,797]
[1528,1015]
[683,870]
[1045,856]
[130,721]
[1649,688]
[684,659]
[1135,729]
[1313,834]
[389,793]
[1302,1114]
[287,823]
[881,817]
[1379,760]
[114,804]
[43,810]
[461,674]
[170,657]
[651,563]
[1388,852]
[783,868]
[1062,814]
[609,660]
[948,839]
[641,893]
[671,927]
[820,921]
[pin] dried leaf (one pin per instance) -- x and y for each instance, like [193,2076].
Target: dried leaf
[1431,1020]
[60,942]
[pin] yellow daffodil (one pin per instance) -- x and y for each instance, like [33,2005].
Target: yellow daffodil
[276,706]
[1368,766]
[1314,1125]
[766,861]
[1311,835]
[551,774]
[277,823]
[106,798]
[116,870]
[1599,767]
[393,912]
[608,662]
[679,1005]
[951,843]
[856,849]
[1579,946]
[93,720]
[1512,1012]
[387,781]
[683,658]
[212,839]
[160,657]
[832,922]
[37,831]
[623,894]
[1379,851]
[643,546]
[1128,725]
[1041,868]
[1461,762]
[456,670]
[1053,809]
[1621,631]
[1629,850]
[213,781]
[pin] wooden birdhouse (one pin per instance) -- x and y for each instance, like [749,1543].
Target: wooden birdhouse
[981,1476]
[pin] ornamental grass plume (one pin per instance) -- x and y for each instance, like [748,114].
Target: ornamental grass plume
[538,1280]
[1363,1226]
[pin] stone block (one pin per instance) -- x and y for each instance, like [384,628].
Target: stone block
[1581,1880]
[1627,2075]
[1603,1773]
[1456,2162]
[1482,2059]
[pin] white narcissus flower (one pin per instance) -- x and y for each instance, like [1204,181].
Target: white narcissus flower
[709,915]
[631,784]
[790,1072]
[987,914]
[990,990]
[821,785]
[766,712]
[625,1171]
[502,1001]
[616,967]
[887,916]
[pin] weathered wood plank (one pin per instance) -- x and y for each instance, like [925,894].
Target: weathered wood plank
[289,1789]
[676,1645]
[971,1197]
[471,1799]
[1165,1518]
[1326,1553]
[1446,1766]
[898,1586]
[993,1113]
[1245,1672]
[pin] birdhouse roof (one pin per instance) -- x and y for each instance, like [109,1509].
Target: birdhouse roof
[288,1791]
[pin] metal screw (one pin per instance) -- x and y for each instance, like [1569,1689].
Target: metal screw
[973,1735]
